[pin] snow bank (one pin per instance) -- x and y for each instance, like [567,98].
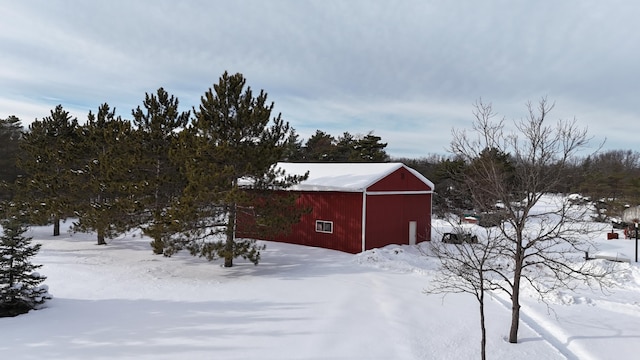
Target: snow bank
[399,258]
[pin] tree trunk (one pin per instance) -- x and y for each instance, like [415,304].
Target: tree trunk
[56,226]
[515,293]
[101,240]
[228,253]
[157,244]
[483,340]
[515,303]
[231,230]
[515,317]
[156,195]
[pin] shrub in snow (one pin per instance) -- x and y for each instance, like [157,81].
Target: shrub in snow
[21,287]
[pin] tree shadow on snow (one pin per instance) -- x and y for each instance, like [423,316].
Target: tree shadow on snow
[296,262]
[84,329]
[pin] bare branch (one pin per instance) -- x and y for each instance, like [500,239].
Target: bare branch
[514,171]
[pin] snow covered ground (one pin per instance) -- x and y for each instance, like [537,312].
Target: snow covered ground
[120,301]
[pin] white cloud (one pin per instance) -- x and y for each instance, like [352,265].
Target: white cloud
[398,68]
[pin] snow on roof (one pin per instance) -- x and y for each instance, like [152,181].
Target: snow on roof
[350,177]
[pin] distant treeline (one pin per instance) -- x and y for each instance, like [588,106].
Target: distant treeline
[611,179]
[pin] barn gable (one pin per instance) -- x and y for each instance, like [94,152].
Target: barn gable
[402,179]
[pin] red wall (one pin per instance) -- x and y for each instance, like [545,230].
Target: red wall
[344,209]
[388,218]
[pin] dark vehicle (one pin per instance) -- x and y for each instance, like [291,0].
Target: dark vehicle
[459,238]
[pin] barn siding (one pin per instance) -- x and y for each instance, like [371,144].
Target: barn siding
[344,209]
[388,218]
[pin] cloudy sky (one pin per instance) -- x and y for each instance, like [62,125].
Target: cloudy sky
[407,70]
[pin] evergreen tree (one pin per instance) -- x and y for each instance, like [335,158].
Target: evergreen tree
[293,151]
[491,163]
[611,178]
[229,152]
[47,156]
[323,147]
[10,137]
[106,179]
[21,287]
[370,149]
[157,128]
[345,148]
[453,195]
[320,147]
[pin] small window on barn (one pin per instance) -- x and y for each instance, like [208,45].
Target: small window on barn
[324,226]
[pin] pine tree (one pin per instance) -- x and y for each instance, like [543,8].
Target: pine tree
[345,148]
[370,149]
[611,177]
[452,194]
[320,147]
[47,156]
[157,127]
[106,180]
[228,155]
[10,137]
[323,147]
[294,151]
[21,287]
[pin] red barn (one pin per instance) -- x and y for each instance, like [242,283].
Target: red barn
[360,206]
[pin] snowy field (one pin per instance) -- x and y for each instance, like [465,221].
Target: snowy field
[121,301]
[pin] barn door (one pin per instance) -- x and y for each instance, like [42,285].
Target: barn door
[413,232]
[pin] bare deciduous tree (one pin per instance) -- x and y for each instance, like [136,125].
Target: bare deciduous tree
[508,172]
[466,268]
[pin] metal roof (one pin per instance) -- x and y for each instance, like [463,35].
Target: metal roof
[349,177]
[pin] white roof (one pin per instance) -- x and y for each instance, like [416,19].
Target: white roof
[351,177]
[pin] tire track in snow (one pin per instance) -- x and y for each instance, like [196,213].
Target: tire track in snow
[391,315]
[551,333]
[375,294]
[340,326]
[625,308]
